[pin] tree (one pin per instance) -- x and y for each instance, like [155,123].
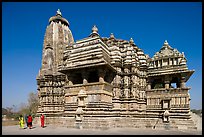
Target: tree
[23,109]
[32,106]
[33,102]
[4,111]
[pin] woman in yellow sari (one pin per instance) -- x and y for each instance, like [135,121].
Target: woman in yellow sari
[21,121]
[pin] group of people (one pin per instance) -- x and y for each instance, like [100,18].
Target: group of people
[28,120]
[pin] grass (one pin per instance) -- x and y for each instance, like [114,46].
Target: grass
[10,123]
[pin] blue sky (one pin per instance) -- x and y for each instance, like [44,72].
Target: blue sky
[148,23]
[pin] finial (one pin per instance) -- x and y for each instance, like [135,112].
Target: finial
[165,42]
[94,32]
[59,12]
[94,29]
[131,40]
[112,36]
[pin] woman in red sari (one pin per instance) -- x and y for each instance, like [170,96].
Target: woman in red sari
[42,119]
[30,121]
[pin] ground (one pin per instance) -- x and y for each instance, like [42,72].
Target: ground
[52,130]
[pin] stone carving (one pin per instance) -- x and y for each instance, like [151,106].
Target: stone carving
[48,59]
[134,80]
[126,93]
[126,80]
[142,95]
[133,91]
[117,79]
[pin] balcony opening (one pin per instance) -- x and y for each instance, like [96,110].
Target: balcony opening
[157,83]
[77,79]
[174,83]
[93,77]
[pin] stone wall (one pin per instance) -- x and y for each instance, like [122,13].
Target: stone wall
[120,122]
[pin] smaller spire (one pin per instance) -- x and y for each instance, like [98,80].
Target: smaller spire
[94,29]
[112,36]
[59,12]
[131,41]
[165,42]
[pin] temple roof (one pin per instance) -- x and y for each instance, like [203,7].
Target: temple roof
[167,50]
[58,17]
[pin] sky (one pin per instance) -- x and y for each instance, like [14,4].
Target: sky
[148,23]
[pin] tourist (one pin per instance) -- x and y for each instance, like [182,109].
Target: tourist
[21,121]
[26,120]
[30,121]
[42,119]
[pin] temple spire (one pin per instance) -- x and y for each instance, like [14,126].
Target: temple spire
[59,12]
[112,36]
[94,31]
[131,41]
[165,42]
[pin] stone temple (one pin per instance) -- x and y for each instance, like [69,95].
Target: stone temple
[105,82]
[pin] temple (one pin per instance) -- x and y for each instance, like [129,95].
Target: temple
[105,82]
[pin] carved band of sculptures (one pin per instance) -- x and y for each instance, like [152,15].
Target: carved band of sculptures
[126,80]
[48,59]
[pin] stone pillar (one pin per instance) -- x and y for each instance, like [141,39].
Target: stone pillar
[158,65]
[101,73]
[170,63]
[167,81]
[182,84]
[70,83]
[148,86]
[85,77]
[149,82]
[69,79]
[167,84]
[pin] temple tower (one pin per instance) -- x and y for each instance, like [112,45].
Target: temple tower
[50,82]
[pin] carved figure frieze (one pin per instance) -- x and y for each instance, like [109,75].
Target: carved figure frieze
[48,59]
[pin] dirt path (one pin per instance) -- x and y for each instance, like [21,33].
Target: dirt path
[51,130]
